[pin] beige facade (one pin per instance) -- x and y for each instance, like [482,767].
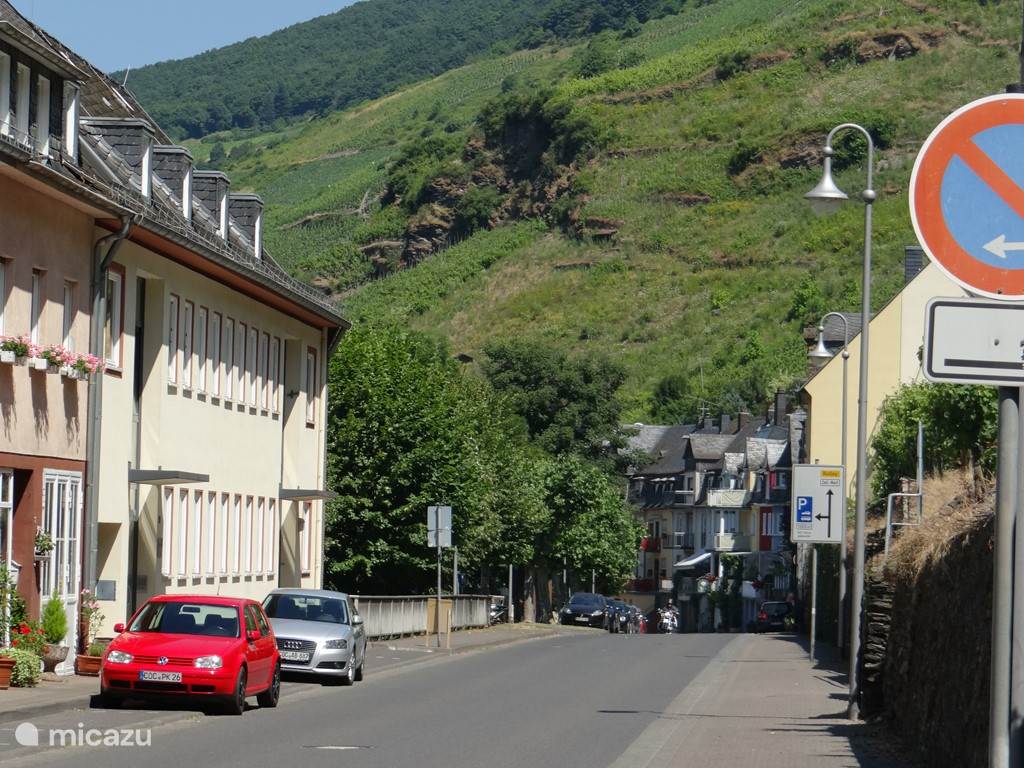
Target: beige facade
[897,336]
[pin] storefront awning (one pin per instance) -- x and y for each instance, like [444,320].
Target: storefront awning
[693,560]
[305,494]
[165,477]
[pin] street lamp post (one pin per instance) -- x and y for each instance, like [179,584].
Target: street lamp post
[821,354]
[826,193]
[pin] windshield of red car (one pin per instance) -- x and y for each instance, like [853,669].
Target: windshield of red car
[306,608]
[187,618]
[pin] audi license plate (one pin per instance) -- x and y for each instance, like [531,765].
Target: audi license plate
[161,677]
[295,656]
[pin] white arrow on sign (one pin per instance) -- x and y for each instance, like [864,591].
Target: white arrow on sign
[999,247]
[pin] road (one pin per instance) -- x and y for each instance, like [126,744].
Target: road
[578,699]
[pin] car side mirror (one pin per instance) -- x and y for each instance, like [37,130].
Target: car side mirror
[252,635]
[119,628]
[357,620]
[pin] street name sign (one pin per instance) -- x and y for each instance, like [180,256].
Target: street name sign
[974,341]
[967,197]
[818,504]
[439,519]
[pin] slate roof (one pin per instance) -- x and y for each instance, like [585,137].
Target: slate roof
[668,452]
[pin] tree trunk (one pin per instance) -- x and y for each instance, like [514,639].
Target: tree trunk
[530,594]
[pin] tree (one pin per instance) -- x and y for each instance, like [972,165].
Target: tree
[217,154]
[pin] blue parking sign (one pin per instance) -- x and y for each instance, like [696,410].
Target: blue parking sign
[805,509]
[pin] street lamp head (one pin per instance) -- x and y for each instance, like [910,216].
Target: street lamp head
[826,196]
[820,353]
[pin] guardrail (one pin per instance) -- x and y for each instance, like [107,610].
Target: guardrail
[396,615]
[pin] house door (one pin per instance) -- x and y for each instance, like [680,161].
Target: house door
[61,569]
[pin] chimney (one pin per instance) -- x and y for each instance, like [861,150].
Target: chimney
[708,422]
[726,423]
[211,192]
[131,139]
[913,262]
[247,213]
[173,166]
[781,404]
[744,419]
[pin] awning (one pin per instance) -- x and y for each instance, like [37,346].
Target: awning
[693,560]
[305,494]
[165,477]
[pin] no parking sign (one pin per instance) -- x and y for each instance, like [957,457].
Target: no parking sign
[967,196]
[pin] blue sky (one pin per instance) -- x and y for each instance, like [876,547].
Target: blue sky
[114,34]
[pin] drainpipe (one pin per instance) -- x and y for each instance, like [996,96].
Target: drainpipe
[101,262]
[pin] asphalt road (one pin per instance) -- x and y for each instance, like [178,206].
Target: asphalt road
[577,699]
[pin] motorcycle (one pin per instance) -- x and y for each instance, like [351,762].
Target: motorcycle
[497,614]
[668,623]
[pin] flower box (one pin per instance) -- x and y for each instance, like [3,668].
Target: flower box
[70,372]
[39,363]
[7,356]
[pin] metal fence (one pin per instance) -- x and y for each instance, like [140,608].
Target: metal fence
[397,615]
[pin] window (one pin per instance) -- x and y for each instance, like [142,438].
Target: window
[172,339]
[305,542]
[22,97]
[251,367]
[236,533]
[3,293]
[240,361]
[167,531]
[247,536]
[222,533]
[229,358]
[272,529]
[182,533]
[275,368]
[5,95]
[187,319]
[198,512]
[115,316]
[264,371]
[69,313]
[43,115]
[311,386]
[38,302]
[258,530]
[210,532]
[201,349]
[215,324]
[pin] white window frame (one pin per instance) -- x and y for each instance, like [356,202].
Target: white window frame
[215,373]
[182,532]
[201,335]
[210,562]
[43,115]
[247,535]
[198,511]
[71,101]
[115,299]
[273,529]
[229,358]
[312,386]
[68,320]
[22,99]
[241,335]
[187,332]
[173,307]
[167,530]
[36,308]
[259,527]
[251,365]
[275,374]
[222,533]
[236,533]
[264,372]
[305,541]
[5,94]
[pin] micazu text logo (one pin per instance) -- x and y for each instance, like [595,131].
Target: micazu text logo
[28,735]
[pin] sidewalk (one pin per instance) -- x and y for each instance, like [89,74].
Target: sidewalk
[49,697]
[762,704]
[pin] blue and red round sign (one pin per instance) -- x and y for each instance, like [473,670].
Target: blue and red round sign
[967,196]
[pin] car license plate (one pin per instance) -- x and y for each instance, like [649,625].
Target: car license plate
[161,677]
[582,619]
[295,656]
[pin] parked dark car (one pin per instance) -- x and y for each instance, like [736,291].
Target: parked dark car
[585,609]
[774,617]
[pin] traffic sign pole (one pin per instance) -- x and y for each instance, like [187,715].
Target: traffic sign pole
[814,596]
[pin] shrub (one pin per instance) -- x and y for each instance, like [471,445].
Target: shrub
[27,667]
[55,620]
[28,636]
[476,207]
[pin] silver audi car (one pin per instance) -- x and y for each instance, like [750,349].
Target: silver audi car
[318,632]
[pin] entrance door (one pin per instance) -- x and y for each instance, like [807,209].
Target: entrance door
[60,572]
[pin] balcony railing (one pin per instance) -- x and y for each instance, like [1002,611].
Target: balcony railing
[732,542]
[723,497]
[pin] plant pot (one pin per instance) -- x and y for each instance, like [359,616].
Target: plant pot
[39,363]
[6,668]
[50,368]
[88,666]
[23,360]
[7,356]
[53,655]
[70,372]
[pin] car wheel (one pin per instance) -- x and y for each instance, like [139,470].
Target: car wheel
[269,698]
[350,674]
[236,704]
[359,669]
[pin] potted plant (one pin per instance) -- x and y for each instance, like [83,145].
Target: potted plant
[88,663]
[55,628]
[56,357]
[44,544]
[25,671]
[14,350]
[28,636]
[86,365]
[6,668]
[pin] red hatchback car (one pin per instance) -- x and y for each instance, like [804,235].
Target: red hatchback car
[219,648]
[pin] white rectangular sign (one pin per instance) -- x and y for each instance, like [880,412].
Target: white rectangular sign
[819,504]
[974,341]
[439,519]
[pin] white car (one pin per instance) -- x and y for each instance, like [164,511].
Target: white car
[318,633]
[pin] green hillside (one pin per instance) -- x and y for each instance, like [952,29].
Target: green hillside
[675,240]
[360,52]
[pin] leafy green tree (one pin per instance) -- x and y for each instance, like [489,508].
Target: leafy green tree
[217,154]
[808,304]
[674,402]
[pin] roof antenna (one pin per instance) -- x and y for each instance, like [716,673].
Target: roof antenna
[126,73]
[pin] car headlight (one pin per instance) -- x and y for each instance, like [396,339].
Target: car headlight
[338,644]
[119,657]
[597,613]
[209,662]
